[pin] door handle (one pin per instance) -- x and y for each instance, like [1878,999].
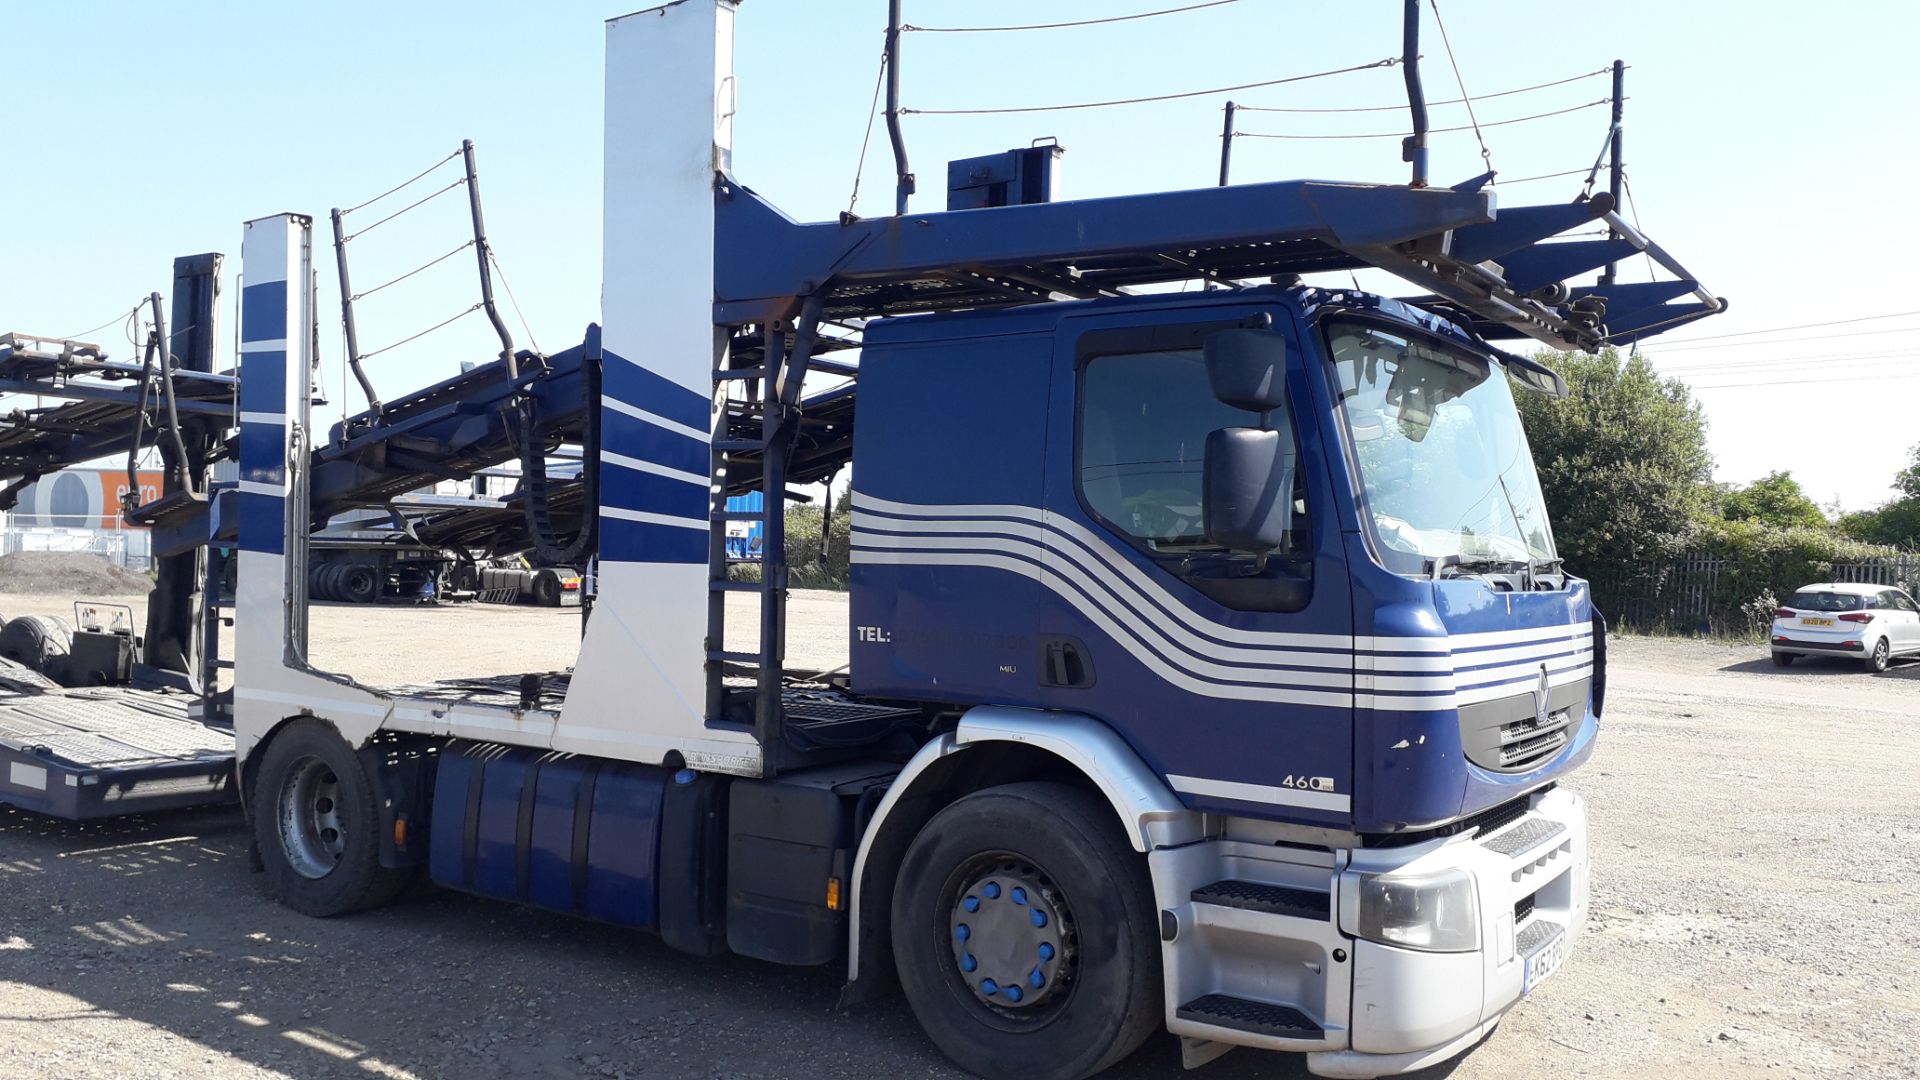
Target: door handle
[1064,662]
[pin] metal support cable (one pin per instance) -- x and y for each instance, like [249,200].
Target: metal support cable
[873,111]
[494,258]
[1544,176]
[410,206]
[1063,25]
[410,273]
[1450,101]
[118,318]
[1430,131]
[404,184]
[1486,156]
[1388,62]
[421,334]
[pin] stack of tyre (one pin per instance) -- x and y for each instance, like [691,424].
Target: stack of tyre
[41,642]
[350,583]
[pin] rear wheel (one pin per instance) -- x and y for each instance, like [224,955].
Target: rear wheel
[1783,659]
[546,588]
[1024,932]
[316,823]
[1877,659]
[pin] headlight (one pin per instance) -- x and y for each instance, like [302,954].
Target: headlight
[1432,912]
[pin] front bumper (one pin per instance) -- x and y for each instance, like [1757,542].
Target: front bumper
[1258,946]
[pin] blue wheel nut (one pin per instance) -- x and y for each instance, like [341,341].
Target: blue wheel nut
[1046,950]
[1013,993]
[992,891]
[968,963]
[971,903]
[962,932]
[989,987]
[1037,917]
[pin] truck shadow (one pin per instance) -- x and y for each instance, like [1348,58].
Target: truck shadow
[147,939]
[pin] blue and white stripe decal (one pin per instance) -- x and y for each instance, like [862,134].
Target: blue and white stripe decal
[1198,654]
[654,455]
[263,417]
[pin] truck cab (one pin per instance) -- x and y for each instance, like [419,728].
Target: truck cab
[1403,665]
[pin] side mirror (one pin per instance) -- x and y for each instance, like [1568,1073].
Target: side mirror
[1247,482]
[1247,369]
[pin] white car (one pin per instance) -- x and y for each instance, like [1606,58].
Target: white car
[1872,623]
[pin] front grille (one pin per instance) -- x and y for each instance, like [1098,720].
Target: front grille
[1509,736]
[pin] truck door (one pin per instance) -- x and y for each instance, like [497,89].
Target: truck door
[1232,674]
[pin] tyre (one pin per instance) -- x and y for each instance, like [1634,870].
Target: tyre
[1783,659]
[546,588]
[1025,934]
[316,822]
[360,584]
[1876,660]
[41,642]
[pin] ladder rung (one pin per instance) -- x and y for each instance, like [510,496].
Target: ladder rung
[740,373]
[734,586]
[224,665]
[734,657]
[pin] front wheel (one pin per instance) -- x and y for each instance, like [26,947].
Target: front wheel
[1783,659]
[316,823]
[1024,932]
[1876,661]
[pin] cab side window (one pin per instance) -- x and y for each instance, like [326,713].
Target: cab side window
[1140,452]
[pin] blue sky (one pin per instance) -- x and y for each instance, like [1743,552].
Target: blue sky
[1770,147]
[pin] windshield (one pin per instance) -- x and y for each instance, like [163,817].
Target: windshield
[1444,466]
[1826,601]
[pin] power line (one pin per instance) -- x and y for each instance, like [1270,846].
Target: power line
[421,334]
[1784,341]
[1061,25]
[1800,326]
[1430,104]
[1723,367]
[1792,382]
[1430,131]
[1388,62]
[1486,155]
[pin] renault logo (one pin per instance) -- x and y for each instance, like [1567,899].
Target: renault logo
[1540,691]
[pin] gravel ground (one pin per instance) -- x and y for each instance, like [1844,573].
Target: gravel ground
[1757,884]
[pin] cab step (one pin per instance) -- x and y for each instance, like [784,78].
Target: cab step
[1273,899]
[1256,1017]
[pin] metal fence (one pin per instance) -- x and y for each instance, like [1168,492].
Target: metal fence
[109,544]
[1717,595]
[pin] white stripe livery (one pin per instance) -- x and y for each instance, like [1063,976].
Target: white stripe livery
[1205,657]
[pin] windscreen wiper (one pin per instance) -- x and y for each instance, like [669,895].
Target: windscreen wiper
[1439,567]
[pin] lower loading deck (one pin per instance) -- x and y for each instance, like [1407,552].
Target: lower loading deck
[104,751]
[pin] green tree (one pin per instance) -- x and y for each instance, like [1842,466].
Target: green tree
[1898,522]
[1623,461]
[1907,480]
[1774,499]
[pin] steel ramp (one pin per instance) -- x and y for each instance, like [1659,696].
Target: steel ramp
[107,751]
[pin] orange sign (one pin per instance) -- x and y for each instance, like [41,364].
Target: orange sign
[151,484]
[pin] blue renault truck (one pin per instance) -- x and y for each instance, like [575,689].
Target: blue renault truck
[1211,666]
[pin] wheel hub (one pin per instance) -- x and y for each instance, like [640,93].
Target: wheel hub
[312,830]
[1012,937]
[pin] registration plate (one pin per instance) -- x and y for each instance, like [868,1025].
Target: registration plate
[1545,960]
[1806,620]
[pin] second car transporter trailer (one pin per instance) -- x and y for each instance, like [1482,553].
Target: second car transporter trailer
[1211,668]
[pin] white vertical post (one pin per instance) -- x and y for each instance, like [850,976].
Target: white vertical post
[276,341]
[639,688]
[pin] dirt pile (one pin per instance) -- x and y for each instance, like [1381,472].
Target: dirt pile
[79,575]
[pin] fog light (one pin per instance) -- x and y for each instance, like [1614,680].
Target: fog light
[1431,912]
